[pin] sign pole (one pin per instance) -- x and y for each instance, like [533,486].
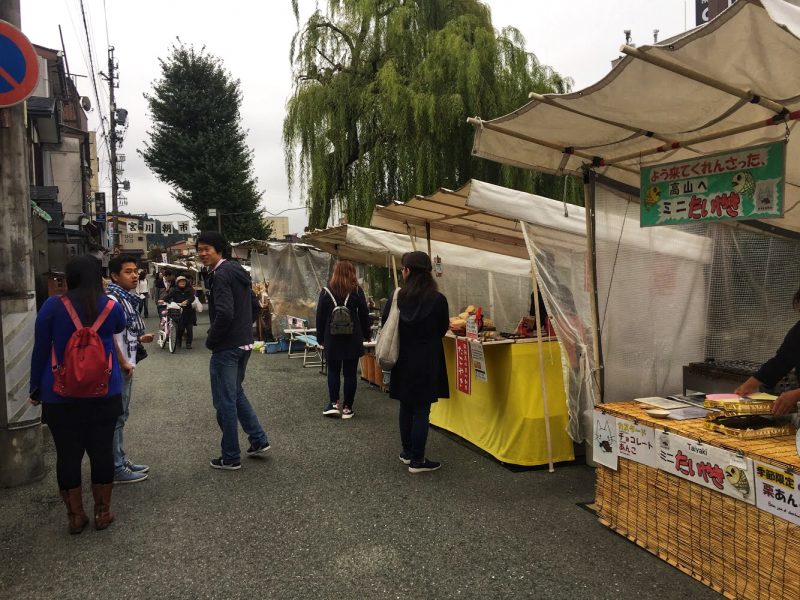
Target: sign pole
[21,452]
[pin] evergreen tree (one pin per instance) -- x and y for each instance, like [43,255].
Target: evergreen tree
[382,92]
[198,146]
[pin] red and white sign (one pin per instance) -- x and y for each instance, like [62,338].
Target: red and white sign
[463,367]
[19,67]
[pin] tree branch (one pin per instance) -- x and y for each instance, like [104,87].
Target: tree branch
[328,25]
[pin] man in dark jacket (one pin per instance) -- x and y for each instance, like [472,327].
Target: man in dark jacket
[230,339]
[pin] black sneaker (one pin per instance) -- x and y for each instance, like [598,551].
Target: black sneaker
[228,465]
[331,410]
[255,450]
[423,466]
[405,458]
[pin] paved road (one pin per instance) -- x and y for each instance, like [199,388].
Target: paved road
[330,513]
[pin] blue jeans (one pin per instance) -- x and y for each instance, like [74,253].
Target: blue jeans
[414,428]
[227,368]
[335,368]
[119,451]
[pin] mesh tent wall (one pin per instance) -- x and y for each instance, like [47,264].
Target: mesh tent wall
[296,273]
[633,296]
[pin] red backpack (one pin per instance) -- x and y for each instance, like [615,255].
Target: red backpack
[85,370]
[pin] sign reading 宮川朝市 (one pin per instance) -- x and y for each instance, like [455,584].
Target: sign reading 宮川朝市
[741,184]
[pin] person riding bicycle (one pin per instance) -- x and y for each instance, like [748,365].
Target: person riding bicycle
[182,293]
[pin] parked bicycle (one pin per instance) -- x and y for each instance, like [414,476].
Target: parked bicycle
[168,328]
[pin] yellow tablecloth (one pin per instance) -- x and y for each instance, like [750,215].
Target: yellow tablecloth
[505,415]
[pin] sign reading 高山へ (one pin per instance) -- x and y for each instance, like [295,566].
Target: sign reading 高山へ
[747,183]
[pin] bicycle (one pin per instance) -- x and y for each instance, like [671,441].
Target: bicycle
[168,328]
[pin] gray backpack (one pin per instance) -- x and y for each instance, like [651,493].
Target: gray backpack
[341,322]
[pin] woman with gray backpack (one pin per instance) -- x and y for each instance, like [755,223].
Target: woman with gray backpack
[343,324]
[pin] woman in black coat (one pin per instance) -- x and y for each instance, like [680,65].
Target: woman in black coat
[342,350]
[419,378]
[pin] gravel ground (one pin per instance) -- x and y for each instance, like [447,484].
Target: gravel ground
[330,512]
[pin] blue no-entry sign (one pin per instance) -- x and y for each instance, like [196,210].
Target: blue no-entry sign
[19,67]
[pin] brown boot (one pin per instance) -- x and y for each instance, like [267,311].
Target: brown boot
[102,505]
[77,517]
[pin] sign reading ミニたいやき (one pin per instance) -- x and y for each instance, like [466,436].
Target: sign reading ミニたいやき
[747,183]
[712,467]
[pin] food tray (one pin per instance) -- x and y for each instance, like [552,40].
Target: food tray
[740,407]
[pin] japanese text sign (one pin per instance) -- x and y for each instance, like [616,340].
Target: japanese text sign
[463,370]
[709,466]
[166,228]
[478,361]
[605,447]
[636,442]
[778,492]
[740,184]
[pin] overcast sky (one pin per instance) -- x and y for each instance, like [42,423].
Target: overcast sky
[578,38]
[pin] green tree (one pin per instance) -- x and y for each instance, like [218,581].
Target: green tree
[197,144]
[382,92]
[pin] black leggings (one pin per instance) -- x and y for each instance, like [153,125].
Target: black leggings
[335,369]
[76,433]
[414,428]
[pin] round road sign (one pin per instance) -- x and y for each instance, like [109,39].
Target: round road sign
[19,66]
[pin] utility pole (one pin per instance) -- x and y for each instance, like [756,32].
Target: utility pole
[21,455]
[112,140]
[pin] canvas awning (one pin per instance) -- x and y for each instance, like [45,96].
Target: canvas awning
[375,247]
[445,216]
[711,89]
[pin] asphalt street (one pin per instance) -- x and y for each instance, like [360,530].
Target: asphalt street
[330,512]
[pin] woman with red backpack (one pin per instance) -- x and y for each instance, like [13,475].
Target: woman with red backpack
[76,376]
[343,324]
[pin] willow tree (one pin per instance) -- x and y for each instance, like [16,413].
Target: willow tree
[197,144]
[381,95]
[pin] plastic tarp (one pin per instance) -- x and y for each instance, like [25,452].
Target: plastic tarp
[501,284]
[753,46]
[651,289]
[295,273]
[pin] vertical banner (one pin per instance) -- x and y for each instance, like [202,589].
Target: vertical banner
[604,440]
[478,361]
[100,207]
[778,492]
[463,375]
[149,227]
[709,466]
[636,442]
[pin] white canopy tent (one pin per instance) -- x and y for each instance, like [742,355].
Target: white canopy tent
[728,84]
[501,284]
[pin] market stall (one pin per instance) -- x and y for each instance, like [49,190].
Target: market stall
[444,216]
[693,135]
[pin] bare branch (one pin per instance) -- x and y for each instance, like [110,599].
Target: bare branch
[328,25]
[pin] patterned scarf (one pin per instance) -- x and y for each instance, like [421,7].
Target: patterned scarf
[130,304]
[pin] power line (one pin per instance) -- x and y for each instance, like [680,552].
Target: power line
[93,76]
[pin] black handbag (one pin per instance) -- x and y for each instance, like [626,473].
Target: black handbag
[141,353]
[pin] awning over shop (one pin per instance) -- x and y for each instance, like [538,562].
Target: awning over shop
[711,89]
[374,247]
[444,216]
